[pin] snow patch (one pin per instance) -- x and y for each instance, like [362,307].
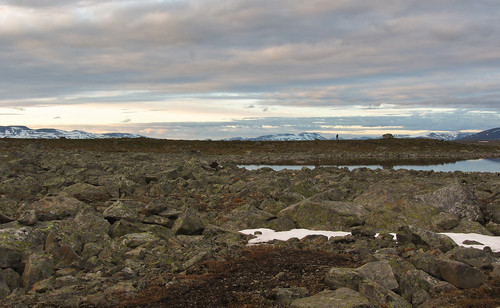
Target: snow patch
[263,235]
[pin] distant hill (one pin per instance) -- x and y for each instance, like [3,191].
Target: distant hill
[284,137]
[490,134]
[448,136]
[24,132]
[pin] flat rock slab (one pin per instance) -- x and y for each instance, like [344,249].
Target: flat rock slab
[340,298]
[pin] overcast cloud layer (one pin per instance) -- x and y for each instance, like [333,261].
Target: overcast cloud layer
[150,66]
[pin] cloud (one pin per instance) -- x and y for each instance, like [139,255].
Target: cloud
[271,55]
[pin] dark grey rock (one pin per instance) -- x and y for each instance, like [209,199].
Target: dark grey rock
[461,275]
[381,296]
[343,277]
[380,272]
[9,257]
[189,223]
[424,238]
[287,295]
[445,221]
[38,267]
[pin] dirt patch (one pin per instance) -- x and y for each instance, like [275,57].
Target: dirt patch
[247,281]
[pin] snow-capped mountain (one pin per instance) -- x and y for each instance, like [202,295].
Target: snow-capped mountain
[448,136]
[284,137]
[490,134]
[24,132]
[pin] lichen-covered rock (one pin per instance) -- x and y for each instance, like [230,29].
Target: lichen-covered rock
[424,238]
[461,275]
[456,199]
[381,296]
[381,273]
[445,221]
[124,209]
[58,207]
[247,217]
[189,223]
[133,240]
[427,262]
[494,228]
[329,215]
[60,251]
[343,278]
[287,295]
[87,193]
[417,280]
[9,280]
[468,226]
[38,267]
[340,298]
[10,257]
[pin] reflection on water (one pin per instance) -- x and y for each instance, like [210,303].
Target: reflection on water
[476,165]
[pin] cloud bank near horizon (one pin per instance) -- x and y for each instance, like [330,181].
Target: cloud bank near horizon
[97,63]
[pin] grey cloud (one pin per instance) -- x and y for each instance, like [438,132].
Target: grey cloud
[314,53]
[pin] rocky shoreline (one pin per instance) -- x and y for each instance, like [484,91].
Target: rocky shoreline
[86,228]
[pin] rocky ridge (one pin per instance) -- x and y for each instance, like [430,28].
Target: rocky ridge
[91,229]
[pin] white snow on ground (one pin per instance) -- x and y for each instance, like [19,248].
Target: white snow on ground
[492,241]
[266,235]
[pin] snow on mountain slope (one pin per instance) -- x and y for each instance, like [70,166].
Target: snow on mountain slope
[285,137]
[24,132]
[490,134]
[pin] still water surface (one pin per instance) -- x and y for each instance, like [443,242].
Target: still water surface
[476,165]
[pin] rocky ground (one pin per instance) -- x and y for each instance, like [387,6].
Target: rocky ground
[155,223]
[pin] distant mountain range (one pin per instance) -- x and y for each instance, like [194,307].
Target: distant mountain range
[283,137]
[24,132]
[491,134]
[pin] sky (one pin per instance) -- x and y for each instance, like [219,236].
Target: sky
[200,69]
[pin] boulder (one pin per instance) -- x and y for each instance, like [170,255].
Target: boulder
[468,226]
[133,240]
[415,281]
[424,238]
[455,199]
[247,217]
[10,257]
[287,295]
[87,192]
[494,228]
[38,267]
[461,275]
[338,277]
[124,209]
[118,186]
[445,221]
[340,298]
[9,280]
[56,208]
[427,262]
[381,296]
[477,258]
[60,251]
[28,218]
[189,223]
[329,215]
[380,272]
